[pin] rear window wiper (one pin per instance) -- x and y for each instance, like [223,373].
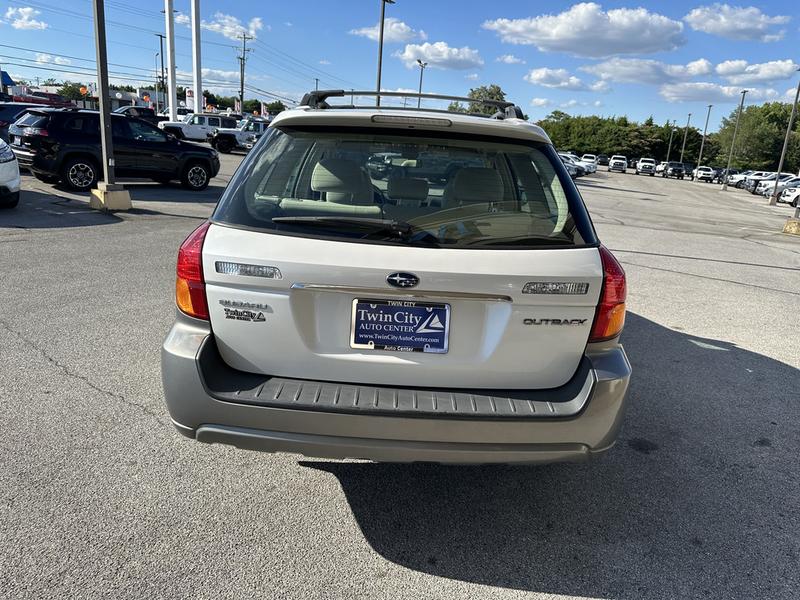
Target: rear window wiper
[372,227]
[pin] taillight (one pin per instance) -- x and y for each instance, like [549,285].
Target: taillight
[40,131]
[610,317]
[190,286]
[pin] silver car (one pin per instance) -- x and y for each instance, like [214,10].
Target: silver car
[459,310]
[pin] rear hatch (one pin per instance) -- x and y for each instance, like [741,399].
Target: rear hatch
[26,135]
[315,271]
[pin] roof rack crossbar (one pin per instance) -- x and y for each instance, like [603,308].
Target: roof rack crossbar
[318,99]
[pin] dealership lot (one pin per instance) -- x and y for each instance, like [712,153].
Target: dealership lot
[101,497]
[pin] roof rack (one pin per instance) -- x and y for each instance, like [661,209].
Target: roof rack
[318,99]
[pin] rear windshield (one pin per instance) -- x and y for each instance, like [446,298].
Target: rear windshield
[411,189]
[32,120]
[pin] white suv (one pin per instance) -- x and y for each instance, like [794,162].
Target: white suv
[459,310]
[9,177]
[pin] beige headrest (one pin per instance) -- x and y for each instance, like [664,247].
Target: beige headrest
[342,181]
[477,184]
[407,188]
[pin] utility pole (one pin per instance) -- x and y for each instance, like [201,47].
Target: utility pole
[422,66]
[169,17]
[773,200]
[685,132]
[108,195]
[316,83]
[242,61]
[197,68]
[733,142]
[156,72]
[380,49]
[703,143]
[671,133]
[163,74]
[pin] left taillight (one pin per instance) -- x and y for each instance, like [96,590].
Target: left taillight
[190,286]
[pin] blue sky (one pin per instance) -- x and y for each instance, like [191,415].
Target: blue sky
[612,58]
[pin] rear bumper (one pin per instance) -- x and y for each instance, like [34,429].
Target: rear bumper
[208,402]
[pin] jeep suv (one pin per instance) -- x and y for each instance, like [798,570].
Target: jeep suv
[469,318]
[64,145]
[243,137]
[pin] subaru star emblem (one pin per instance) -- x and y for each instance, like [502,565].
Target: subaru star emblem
[402,280]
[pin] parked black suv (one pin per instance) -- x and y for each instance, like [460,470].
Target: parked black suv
[673,169]
[64,145]
[10,112]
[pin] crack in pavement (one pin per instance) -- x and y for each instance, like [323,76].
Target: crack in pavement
[77,376]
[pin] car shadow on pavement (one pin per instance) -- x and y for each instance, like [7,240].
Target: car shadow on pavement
[49,211]
[699,497]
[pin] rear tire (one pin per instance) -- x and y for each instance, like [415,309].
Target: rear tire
[80,173]
[224,145]
[196,176]
[10,201]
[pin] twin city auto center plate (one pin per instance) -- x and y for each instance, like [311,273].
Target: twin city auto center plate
[400,326]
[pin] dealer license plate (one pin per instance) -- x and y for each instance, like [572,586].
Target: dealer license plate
[400,326]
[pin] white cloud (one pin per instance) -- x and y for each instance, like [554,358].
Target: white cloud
[231,27]
[324,62]
[540,102]
[49,59]
[510,59]
[738,72]
[289,24]
[471,76]
[736,22]
[710,92]
[440,56]
[216,75]
[394,30]
[23,18]
[586,30]
[573,103]
[562,80]
[183,19]
[640,70]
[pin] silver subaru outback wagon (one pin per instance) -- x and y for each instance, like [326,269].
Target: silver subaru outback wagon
[453,306]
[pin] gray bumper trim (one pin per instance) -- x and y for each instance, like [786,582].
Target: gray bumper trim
[327,446]
[229,385]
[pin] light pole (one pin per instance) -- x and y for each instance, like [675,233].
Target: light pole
[733,141]
[773,200]
[422,66]
[685,133]
[108,195]
[380,49]
[671,133]
[703,143]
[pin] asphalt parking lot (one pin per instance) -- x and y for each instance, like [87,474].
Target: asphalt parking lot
[100,497]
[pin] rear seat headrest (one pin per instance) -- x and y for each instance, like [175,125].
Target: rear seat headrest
[407,188]
[477,184]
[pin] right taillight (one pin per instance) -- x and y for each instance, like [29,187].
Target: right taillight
[190,286]
[610,317]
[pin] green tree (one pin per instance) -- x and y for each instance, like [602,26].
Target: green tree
[71,91]
[275,107]
[485,92]
[49,81]
[759,142]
